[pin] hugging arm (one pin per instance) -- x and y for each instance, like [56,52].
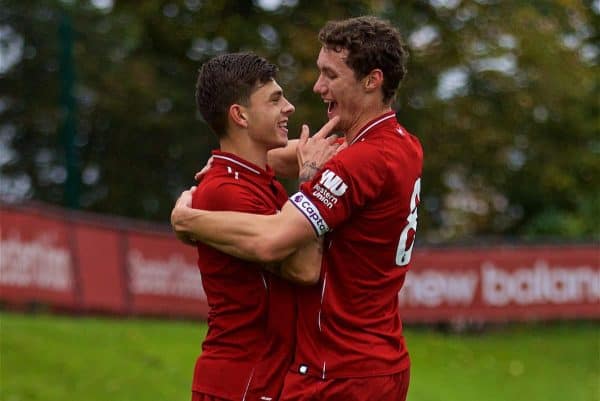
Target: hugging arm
[303,266]
[260,238]
[285,242]
[286,237]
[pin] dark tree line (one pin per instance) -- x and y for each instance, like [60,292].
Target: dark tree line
[502,94]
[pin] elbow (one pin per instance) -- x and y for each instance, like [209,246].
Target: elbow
[305,278]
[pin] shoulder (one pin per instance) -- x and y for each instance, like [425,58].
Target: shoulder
[376,156]
[361,165]
[360,152]
[403,155]
[412,141]
[219,191]
[397,145]
[365,155]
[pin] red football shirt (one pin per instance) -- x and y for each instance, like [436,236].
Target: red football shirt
[251,322]
[364,201]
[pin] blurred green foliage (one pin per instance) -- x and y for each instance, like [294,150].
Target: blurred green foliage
[502,94]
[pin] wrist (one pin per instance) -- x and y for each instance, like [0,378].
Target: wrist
[307,171]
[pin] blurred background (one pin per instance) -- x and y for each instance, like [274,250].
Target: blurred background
[97,103]
[99,134]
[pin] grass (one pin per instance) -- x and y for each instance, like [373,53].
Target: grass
[44,357]
[535,362]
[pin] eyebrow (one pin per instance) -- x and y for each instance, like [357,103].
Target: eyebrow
[327,70]
[276,93]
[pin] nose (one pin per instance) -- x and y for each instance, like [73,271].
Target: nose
[288,108]
[319,87]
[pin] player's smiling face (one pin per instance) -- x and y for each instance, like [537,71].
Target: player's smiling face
[268,115]
[338,87]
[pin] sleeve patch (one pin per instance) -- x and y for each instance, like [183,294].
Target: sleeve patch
[310,211]
[329,188]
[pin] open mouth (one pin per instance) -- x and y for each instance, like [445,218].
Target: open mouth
[283,125]
[331,106]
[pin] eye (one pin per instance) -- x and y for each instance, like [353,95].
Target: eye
[328,73]
[276,97]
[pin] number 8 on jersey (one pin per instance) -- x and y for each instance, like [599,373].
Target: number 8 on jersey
[407,237]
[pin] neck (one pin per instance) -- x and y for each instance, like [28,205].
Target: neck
[369,114]
[240,146]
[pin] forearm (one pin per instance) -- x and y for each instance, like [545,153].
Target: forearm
[284,161]
[183,237]
[246,236]
[304,265]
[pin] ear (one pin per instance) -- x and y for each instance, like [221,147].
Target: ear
[374,80]
[238,115]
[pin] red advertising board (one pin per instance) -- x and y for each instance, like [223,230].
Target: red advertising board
[81,262]
[36,259]
[503,283]
[100,257]
[163,276]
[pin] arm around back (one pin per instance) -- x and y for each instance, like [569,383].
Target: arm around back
[304,266]
[247,236]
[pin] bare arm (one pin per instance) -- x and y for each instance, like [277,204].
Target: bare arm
[246,236]
[303,266]
[283,160]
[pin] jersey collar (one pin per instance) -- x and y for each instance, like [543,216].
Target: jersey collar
[230,159]
[373,123]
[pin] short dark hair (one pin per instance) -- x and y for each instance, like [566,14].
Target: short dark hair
[371,43]
[228,79]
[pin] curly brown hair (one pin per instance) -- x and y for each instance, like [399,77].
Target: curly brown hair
[228,79]
[371,43]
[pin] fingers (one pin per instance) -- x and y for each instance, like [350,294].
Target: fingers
[304,134]
[302,141]
[200,174]
[331,139]
[185,199]
[342,146]
[327,128]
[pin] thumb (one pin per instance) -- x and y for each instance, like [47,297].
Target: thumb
[304,134]
[200,174]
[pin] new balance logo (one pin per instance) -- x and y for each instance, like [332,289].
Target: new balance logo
[333,183]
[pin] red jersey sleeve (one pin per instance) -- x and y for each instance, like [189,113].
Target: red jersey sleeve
[345,184]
